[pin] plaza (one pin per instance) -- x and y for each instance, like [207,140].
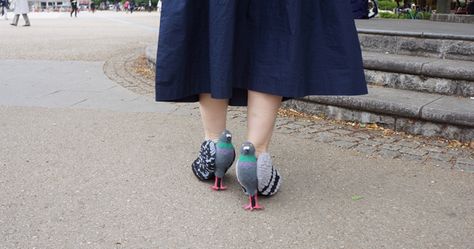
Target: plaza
[89,160]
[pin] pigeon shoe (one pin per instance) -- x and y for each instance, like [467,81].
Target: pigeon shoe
[225,156]
[205,164]
[269,180]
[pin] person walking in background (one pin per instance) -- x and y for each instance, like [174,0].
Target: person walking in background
[158,5]
[470,7]
[126,6]
[74,7]
[131,6]
[21,8]
[93,7]
[4,6]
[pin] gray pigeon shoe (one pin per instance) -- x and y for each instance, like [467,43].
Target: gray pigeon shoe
[205,164]
[269,180]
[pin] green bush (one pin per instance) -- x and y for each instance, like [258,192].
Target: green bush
[427,15]
[387,5]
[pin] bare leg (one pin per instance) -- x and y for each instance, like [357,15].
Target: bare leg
[27,20]
[261,114]
[15,19]
[213,115]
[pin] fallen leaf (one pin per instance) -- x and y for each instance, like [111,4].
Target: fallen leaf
[372,126]
[357,197]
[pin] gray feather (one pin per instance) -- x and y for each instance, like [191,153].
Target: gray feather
[225,154]
[246,169]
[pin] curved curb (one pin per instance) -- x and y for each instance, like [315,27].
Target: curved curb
[150,53]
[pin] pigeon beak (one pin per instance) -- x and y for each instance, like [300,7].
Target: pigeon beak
[228,136]
[246,149]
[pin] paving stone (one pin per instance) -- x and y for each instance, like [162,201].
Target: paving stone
[433,149]
[385,140]
[413,152]
[342,131]
[324,137]
[392,147]
[293,126]
[411,157]
[363,135]
[310,130]
[408,143]
[370,142]
[440,157]
[442,164]
[344,144]
[285,130]
[366,149]
[388,153]
[466,164]
[351,139]
[303,123]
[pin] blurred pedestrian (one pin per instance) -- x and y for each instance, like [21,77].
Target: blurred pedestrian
[131,6]
[74,7]
[470,8]
[158,5]
[126,6]
[93,7]
[4,6]
[21,8]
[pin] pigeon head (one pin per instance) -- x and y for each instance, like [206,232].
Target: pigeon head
[225,137]
[247,149]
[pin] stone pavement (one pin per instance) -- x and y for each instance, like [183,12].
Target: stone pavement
[418,26]
[87,163]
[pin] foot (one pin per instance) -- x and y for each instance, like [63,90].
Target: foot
[205,164]
[269,180]
[253,204]
[26,25]
[12,24]
[218,184]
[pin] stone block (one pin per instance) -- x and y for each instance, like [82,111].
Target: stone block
[465,164]
[452,18]
[394,63]
[381,100]
[429,129]
[450,110]
[460,50]
[451,69]
[465,89]
[423,47]
[379,43]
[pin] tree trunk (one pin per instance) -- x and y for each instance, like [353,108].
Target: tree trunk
[443,6]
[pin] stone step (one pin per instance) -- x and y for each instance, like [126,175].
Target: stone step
[447,77]
[433,45]
[401,110]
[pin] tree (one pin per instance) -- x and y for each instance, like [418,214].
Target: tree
[443,6]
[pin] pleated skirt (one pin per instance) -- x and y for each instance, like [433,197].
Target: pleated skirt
[289,48]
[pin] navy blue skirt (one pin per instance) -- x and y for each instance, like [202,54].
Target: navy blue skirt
[289,48]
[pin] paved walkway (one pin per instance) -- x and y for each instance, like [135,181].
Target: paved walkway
[417,26]
[85,163]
